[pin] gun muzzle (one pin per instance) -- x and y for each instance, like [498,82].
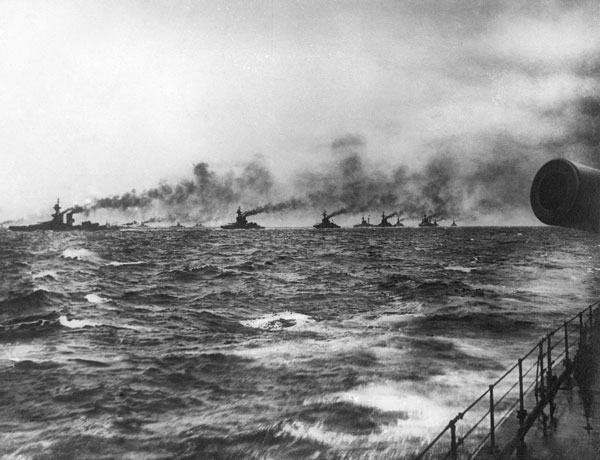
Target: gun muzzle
[567,194]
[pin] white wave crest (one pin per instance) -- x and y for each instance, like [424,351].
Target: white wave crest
[20,352]
[317,432]
[422,414]
[95,298]
[43,274]
[458,268]
[76,323]
[119,264]
[80,254]
[279,321]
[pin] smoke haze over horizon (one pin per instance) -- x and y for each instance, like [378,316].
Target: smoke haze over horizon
[390,106]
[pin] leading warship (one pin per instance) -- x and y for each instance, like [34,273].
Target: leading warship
[58,224]
[241,222]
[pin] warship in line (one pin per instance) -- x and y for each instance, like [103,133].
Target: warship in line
[364,223]
[428,221]
[384,220]
[58,223]
[399,222]
[325,222]
[241,222]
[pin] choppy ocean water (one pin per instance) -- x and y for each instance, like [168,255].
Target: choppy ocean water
[271,344]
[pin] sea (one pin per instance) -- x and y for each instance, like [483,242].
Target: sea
[199,343]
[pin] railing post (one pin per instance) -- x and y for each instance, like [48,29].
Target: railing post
[453,444]
[591,317]
[581,328]
[549,356]
[521,414]
[552,379]
[567,360]
[541,361]
[492,422]
[543,387]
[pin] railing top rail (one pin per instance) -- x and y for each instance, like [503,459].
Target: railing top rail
[576,316]
[506,393]
[505,374]
[534,349]
[432,443]
[531,368]
[474,403]
[570,320]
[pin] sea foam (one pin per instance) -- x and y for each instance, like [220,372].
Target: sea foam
[119,264]
[279,321]
[95,298]
[80,254]
[76,323]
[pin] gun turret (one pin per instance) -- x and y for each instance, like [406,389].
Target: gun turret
[567,194]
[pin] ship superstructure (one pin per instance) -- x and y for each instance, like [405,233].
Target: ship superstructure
[384,220]
[326,222]
[428,221]
[364,223]
[241,222]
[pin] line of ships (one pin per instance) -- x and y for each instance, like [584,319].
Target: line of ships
[58,222]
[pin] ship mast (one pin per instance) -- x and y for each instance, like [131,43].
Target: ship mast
[57,216]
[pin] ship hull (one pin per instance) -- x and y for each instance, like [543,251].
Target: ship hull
[251,226]
[330,225]
[60,228]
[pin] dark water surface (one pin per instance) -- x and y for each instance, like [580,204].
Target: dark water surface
[272,344]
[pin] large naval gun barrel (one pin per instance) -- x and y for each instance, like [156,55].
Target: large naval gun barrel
[567,194]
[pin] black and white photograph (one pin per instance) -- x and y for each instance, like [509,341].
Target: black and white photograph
[299,230]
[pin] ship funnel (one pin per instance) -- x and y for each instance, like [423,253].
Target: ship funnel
[567,194]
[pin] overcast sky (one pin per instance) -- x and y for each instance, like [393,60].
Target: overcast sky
[100,97]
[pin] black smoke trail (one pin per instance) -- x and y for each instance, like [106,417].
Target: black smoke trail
[337,213]
[289,205]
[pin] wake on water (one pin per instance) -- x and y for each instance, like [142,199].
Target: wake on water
[282,344]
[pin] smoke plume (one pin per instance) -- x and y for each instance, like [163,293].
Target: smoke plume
[488,174]
[337,213]
[289,205]
[206,196]
[449,185]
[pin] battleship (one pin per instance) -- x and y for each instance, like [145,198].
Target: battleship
[241,222]
[384,220]
[58,223]
[325,222]
[399,222]
[428,221]
[364,223]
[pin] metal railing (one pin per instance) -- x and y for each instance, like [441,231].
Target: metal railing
[475,428]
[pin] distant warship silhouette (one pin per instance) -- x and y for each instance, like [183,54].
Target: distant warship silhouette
[326,223]
[58,223]
[241,222]
[364,223]
[428,221]
[384,220]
